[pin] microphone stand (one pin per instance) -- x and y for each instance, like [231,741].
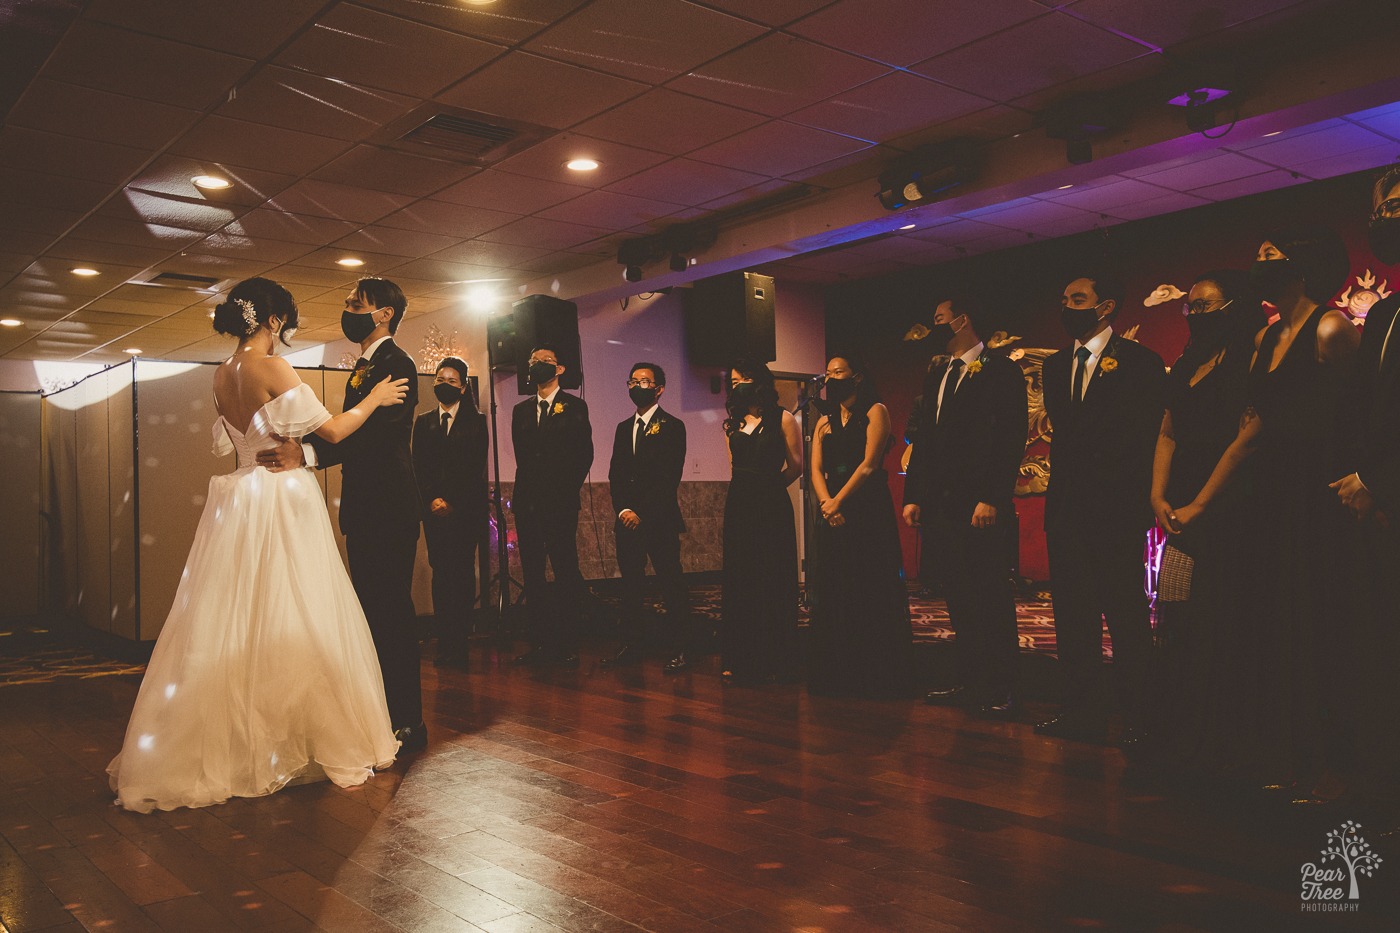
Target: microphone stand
[807,396]
[502,575]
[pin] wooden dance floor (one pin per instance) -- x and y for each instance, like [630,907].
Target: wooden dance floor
[615,801]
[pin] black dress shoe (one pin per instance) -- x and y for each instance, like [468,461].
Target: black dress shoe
[569,660]
[999,709]
[414,738]
[945,695]
[626,655]
[677,664]
[533,656]
[1074,728]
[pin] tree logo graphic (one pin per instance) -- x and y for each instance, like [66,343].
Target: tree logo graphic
[1332,883]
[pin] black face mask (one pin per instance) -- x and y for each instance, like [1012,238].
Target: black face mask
[542,372]
[1079,321]
[1385,240]
[838,390]
[356,327]
[940,334]
[642,396]
[742,395]
[1209,329]
[1272,277]
[447,393]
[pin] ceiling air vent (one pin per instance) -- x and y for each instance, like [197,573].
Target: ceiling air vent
[181,280]
[459,135]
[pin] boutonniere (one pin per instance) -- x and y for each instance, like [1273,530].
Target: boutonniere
[654,428]
[558,408]
[975,366]
[1108,364]
[358,376]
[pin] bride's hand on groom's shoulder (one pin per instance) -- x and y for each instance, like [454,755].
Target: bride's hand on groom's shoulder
[389,391]
[287,455]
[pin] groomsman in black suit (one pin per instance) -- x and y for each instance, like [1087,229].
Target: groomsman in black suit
[553,452]
[449,460]
[1105,397]
[648,458]
[958,489]
[1372,494]
[379,511]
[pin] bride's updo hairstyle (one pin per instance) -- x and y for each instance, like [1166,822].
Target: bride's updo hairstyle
[252,303]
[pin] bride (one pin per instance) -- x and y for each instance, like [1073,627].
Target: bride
[265,672]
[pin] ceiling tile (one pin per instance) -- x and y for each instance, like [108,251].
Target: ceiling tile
[609,209]
[375,264]
[526,87]
[888,107]
[670,122]
[956,232]
[1104,197]
[39,218]
[90,251]
[448,219]
[173,175]
[325,277]
[924,29]
[169,211]
[671,37]
[438,271]
[298,100]
[387,170]
[226,243]
[92,114]
[860,166]
[366,47]
[547,159]
[481,253]
[1254,184]
[1168,24]
[1307,147]
[255,145]
[59,273]
[557,263]
[154,297]
[995,122]
[1201,169]
[118,60]
[1348,161]
[14,240]
[746,195]
[552,234]
[502,191]
[685,181]
[772,12]
[34,150]
[258,27]
[778,148]
[1384,120]
[376,239]
[131,306]
[1033,56]
[111,229]
[284,225]
[224,268]
[341,202]
[1166,204]
[506,26]
[778,74]
[55,191]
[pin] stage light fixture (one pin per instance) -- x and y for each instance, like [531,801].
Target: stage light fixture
[925,174]
[1078,122]
[1202,105]
[632,273]
[677,263]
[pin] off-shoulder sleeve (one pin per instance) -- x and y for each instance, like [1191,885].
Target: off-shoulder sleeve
[297,412]
[223,444]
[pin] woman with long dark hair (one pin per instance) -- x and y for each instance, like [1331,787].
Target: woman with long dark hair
[860,642]
[759,641]
[1198,590]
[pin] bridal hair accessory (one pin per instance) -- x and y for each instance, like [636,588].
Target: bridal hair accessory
[250,314]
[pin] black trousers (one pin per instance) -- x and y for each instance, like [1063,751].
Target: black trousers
[452,552]
[552,538]
[663,546]
[381,569]
[1097,577]
[981,604]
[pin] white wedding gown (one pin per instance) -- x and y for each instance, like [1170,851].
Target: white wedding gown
[265,672]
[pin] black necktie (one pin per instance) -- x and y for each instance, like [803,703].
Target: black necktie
[1081,363]
[950,385]
[637,432]
[445,419]
[544,410]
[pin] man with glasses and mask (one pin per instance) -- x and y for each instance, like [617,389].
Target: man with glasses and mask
[648,459]
[553,444]
[1105,397]
[449,461]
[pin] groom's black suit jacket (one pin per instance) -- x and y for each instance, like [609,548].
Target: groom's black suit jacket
[553,457]
[646,481]
[1375,444]
[378,493]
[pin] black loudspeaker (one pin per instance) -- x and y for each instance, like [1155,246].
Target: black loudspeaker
[502,342]
[729,316]
[544,319]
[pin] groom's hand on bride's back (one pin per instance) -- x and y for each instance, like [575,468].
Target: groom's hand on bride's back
[287,455]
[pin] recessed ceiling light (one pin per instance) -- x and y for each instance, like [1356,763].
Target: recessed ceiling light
[1064,187]
[908,227]
[83,270]
[134,351]
[1274,133]
[10,322]
[479,2]
[350,263]
[210,182]
[582,165]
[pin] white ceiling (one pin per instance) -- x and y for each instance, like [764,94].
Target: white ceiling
[690,107]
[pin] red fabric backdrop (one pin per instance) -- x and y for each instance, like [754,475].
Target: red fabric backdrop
[1021,287]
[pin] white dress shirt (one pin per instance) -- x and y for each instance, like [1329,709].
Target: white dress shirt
[451,413]
[967,358]
[1096,346]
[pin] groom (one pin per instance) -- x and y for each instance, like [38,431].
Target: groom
[379,509]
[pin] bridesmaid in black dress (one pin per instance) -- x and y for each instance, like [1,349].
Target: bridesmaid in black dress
[759,601]
[1198,605]
[1298,624]
[861,643]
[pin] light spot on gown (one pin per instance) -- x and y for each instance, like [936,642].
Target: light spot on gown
[169,691]
[146,742]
